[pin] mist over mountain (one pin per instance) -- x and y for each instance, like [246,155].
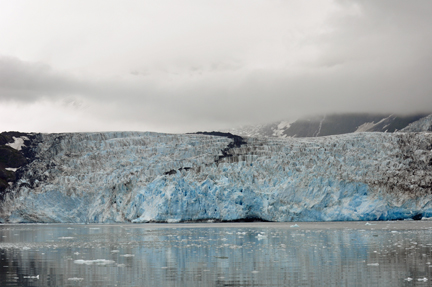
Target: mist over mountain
[334,124]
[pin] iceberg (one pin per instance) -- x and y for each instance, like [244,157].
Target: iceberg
[151,177]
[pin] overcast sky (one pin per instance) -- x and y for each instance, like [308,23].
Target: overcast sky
[182,66]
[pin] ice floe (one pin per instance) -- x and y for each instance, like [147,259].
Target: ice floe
[96,262]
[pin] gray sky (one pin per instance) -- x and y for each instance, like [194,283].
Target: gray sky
[182,66]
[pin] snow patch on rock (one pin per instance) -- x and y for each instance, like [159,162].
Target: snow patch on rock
[18,142]
[370,125]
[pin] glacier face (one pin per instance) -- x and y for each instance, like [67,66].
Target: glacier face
[151,177]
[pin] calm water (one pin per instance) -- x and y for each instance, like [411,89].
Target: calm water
[217,254]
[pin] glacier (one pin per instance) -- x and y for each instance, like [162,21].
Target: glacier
[152,177]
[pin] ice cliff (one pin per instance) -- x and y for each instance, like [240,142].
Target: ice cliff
[151,177]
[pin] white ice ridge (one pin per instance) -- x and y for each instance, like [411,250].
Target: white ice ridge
[18,142]
[150,177]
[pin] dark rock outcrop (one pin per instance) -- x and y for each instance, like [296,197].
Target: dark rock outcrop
[12,160]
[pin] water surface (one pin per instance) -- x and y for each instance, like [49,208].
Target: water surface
[217,254]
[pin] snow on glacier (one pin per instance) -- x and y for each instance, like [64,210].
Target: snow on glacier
[125,176]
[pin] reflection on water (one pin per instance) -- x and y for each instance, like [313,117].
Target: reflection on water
[214,254]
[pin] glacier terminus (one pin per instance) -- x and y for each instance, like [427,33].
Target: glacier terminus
[152,177]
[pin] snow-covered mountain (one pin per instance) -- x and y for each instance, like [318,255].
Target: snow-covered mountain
[329,125]
[151,177]
[422,125]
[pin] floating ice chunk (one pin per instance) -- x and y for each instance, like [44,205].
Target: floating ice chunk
[37,277]
[408,279]
[97,262]
[424,279]
[255,272]
[11,169]
[66,238]
[26,248]
[127,255]
[233,246]
[80,261]
[295,225]
[76,253]
[173,220]
[115,251]
[367,223]
[373,264]
[75,279]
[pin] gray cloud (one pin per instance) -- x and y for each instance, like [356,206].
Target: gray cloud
[370,56]
[27,81]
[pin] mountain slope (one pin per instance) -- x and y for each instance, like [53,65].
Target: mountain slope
[422,125]
[330,125]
